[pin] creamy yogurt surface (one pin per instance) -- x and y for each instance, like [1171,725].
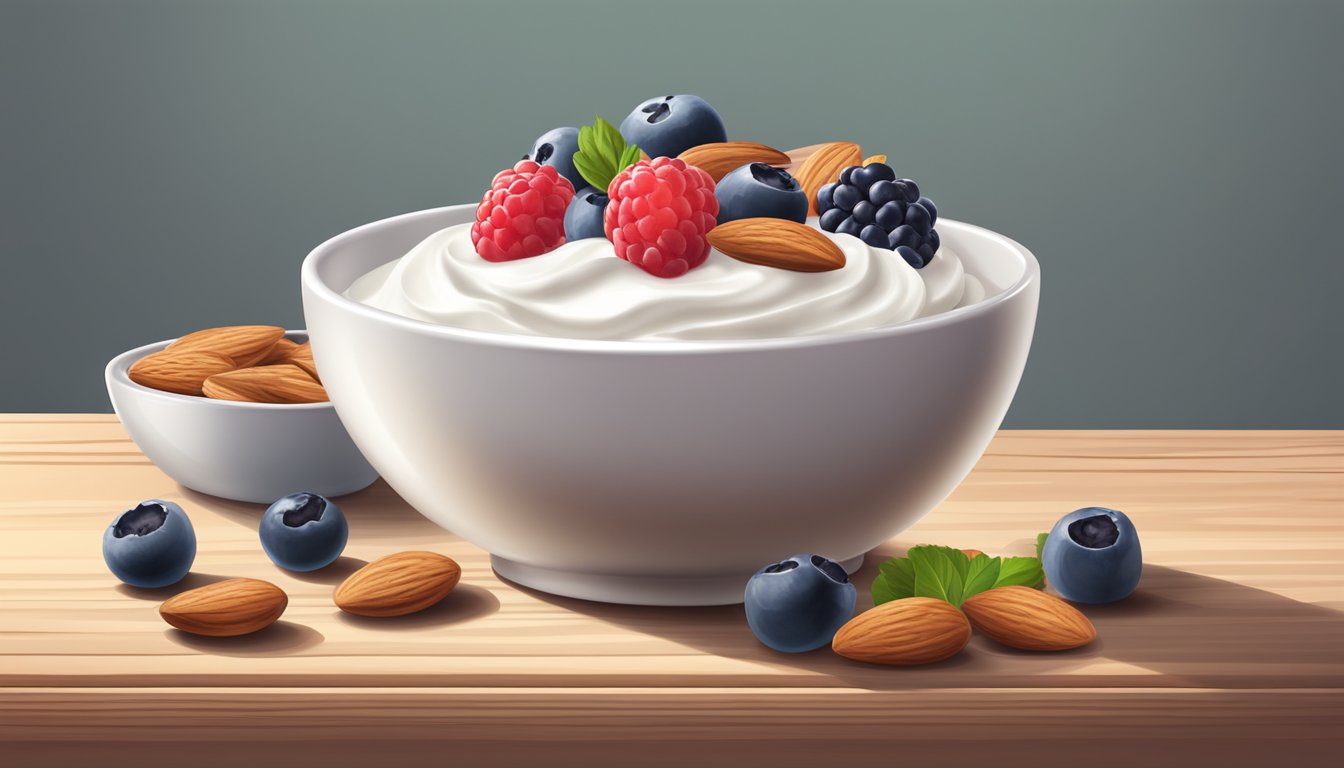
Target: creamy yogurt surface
[581,290]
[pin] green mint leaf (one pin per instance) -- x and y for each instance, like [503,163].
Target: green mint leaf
[1040,543]
[895,581]
[937,573]
[602,153]
[1020,571]
[981,573]
[628,158]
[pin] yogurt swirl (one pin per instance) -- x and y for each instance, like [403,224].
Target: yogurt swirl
[582,290]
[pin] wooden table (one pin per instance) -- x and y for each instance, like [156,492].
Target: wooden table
[1230,653]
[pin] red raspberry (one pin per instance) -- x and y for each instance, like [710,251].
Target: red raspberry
[659,214]
[523,213]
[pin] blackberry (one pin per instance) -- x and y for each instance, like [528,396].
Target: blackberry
[870,203]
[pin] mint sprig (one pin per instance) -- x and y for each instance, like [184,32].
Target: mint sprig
[603,153]
[949,574]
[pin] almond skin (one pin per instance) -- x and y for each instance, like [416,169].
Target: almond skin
[246,345]
[287,384]
[824,166]
[720,157]
[778,243]
[869,160]
[181,372]
[226,608]
[302,356]
[1029,619]
[279,353]
[915,630]
[398,584]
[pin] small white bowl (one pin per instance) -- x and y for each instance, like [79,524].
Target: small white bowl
[254,452]
[667,472]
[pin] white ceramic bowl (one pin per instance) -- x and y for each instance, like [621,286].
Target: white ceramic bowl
[667,472]
[253,452]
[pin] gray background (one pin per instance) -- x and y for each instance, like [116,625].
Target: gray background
[1174,165]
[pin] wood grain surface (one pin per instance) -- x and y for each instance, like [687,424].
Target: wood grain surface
[1232,650]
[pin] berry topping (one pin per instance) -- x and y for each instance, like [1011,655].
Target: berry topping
[870,203]
[523,213]
[583,219]
[557,147]
[758,190]
[659,214]
[670,125]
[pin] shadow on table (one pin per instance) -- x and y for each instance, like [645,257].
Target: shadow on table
[1179,629]
[281,638]
[192,580]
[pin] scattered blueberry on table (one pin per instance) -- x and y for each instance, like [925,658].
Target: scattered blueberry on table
[798,604]
[758,190]
[151,545]
[303,532]
[1092,555]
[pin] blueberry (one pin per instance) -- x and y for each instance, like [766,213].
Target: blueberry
[911,256]
[152,545]
[865,177]
[903,235]
[557,148]
[845,197]
[918,219]
[874,235]
[864,213]
[797,604]
[670,125]
[824,196]
[832,218]
[583,217]
[890,216]
[908,189]
[849,227]
[303,532]
[1092,555]
[931,208]
[759,190]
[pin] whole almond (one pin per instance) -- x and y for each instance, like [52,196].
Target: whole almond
[245,344]
[720,157]
[181,372]
[265,384]
[226,608]
[799,155]
[824,166]
[778,243]
[1029,619]
[302,356]
[278,353]
[398,584]
[915,630]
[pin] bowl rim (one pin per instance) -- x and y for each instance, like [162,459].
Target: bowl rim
[311,281]
[118,368]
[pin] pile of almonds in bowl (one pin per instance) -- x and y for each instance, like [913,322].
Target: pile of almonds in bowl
[248,363]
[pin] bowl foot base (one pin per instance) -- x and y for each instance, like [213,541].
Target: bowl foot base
[634,590]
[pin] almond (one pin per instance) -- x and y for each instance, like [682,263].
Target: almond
[720,157]
[302,356]
[265,384]
[799,155]
[1029,619]
[915,630]
[824,166]
[398,584]
[778,243]
[180,372]
[245,344]
[279,353]
[869,160]
[226,608]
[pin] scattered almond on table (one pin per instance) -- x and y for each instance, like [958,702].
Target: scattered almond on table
[251,363]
